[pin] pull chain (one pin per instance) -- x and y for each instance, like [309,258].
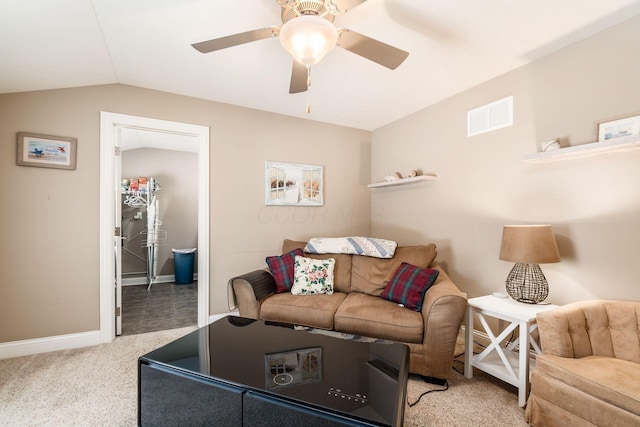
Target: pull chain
[308,109]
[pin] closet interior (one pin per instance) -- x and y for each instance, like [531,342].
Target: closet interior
[141,194]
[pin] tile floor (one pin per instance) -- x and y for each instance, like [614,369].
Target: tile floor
[165,306]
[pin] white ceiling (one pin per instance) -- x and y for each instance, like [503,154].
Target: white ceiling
[453,45]
[131,139]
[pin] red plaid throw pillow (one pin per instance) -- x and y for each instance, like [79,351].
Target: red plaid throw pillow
[281,268]
[409,284]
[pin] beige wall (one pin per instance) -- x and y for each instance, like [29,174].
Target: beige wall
[49,219]
[177,174]
[593,203]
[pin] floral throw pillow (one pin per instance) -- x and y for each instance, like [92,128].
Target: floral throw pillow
[409,284]
[312,276]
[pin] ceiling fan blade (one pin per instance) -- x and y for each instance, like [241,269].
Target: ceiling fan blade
[348,4]
[236,39]
[374,50]
[299,78]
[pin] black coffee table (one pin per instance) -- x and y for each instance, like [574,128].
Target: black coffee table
[244,372]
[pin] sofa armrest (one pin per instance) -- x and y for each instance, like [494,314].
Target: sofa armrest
[443,287]
[443,311]
[555,339]
[250,289]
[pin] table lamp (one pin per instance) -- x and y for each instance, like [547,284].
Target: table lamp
[528,246]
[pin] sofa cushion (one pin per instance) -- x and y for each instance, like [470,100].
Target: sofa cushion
[371,316]
[316,311]
[555,404]
[614,381]
[408,285]
[341,271]
[370,275]
[281,268]
[312,276]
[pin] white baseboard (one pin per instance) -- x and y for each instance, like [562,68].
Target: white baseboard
[47,344]
[481,337]
[64,342]
[214,317]
[142,280]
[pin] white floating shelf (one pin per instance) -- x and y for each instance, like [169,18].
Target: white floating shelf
[403,181]
[585,150]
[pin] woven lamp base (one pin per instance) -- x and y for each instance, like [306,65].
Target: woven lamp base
[526,283]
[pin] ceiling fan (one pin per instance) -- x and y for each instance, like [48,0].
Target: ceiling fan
[308,34]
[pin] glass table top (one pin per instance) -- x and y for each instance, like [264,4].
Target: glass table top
[362,379]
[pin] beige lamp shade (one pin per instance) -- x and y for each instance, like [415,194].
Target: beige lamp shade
[529,244]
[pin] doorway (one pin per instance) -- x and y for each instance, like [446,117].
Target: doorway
[159,205]
[113,129]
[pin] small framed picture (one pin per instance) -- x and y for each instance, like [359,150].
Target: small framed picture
[627,126]
[46,151]
[291,184]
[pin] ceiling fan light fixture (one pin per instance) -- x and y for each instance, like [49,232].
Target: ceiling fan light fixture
[308,38]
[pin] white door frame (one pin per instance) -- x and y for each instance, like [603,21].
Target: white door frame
[109,124]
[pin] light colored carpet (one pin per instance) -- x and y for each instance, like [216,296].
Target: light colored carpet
[97,386]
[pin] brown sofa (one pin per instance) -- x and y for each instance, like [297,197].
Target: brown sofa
[589,372]
[355,307]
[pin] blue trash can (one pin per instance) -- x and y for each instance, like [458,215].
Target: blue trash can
[183,261]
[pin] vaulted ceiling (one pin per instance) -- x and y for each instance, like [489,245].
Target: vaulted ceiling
[453,45]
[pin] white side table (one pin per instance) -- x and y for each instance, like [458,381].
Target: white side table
[503,362]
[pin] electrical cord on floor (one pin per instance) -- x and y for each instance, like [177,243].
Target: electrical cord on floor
[456,369]
[446,387]
[455,358]
[446,383]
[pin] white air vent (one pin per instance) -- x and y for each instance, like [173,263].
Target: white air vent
[490,117]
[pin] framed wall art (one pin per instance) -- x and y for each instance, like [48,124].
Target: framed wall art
[291,184]
[627,126]
[46,151]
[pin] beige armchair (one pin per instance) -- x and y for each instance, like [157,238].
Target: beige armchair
[589,372]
